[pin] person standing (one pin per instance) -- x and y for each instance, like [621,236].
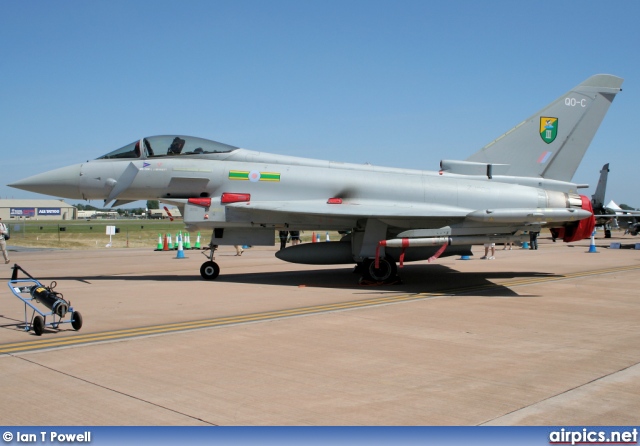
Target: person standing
[489,247]
[3,243]
[283,238]
[295,237]
[533,239]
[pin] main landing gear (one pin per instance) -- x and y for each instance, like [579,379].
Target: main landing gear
[210,269]
[386,272]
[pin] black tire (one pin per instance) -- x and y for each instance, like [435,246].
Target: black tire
[38,325]
[387,269]
[607,233]
[209,270]
[76,320]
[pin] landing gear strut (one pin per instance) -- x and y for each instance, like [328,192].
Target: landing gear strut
[210,269]
[387,270]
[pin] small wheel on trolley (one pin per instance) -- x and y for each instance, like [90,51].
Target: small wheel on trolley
[38,325]
[76,320]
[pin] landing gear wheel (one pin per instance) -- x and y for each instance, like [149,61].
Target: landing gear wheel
[385,272]
[38,325]
[209,270]
[607,233]
[76,321]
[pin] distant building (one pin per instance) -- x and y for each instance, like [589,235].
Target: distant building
[162,214]
[15,210]
[86,214]
[91,214]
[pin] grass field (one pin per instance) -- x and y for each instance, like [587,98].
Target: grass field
[82,234]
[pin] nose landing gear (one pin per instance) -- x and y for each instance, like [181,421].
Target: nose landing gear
[210,269]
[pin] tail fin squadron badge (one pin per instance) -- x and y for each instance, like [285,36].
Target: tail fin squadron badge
[548,129]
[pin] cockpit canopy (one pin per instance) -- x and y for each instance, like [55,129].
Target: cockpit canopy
[168,145]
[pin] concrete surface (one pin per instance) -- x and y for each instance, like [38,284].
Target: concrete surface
[533,337]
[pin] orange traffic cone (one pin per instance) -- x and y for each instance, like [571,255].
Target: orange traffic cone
[165,245]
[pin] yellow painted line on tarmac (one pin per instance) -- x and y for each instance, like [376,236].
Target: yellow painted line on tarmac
[114,335]
[568,276]
[206,323]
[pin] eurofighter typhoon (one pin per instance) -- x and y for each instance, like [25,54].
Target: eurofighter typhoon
[517,183]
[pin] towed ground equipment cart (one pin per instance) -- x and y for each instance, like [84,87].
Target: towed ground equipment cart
[38,293]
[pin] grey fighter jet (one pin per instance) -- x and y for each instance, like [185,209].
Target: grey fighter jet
[611,213]
[625,219]
[519,182]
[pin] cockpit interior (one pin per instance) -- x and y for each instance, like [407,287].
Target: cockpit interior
[168,145]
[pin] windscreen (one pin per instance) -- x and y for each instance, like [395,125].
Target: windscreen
[169,145]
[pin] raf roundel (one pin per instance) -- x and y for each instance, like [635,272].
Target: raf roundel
[254,176]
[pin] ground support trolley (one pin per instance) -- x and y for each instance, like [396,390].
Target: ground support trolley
[44,295]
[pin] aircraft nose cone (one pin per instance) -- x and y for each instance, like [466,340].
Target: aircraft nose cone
[63,182]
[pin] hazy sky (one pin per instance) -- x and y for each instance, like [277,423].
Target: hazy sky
[393,83]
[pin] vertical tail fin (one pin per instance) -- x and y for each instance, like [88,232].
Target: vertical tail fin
[552,142]
[597,199]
